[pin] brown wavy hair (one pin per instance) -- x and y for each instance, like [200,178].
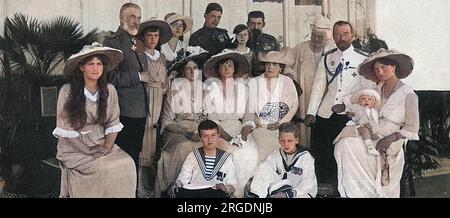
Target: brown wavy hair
[76,103]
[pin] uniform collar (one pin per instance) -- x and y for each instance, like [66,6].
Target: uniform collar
[348,51]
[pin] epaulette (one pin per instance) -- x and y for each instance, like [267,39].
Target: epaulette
[265,35]
[113,36]
[222,30]
[361,52]
[329,51]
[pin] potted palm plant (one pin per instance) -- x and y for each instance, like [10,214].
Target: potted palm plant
[33,54]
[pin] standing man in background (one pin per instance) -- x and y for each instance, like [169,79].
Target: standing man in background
[307,56]
[129,79]
[259,42]
[210,37]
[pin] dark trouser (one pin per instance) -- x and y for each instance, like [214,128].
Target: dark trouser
[131,137]
[323,134]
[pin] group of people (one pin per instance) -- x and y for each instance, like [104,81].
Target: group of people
[148,115]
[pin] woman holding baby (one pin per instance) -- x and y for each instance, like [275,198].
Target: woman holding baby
[359,172]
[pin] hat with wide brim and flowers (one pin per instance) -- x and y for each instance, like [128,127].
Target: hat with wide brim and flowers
[165,33]
[192,53]
[404,67]
[186,20]
[209,70]
[114,56]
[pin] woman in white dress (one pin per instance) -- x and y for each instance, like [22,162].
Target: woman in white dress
[360,173]
[224,100]
[273,101]
[87,123]
[179,25]
[182,112]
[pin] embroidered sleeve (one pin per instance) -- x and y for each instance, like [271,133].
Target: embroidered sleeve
[63,127]
[411,128]
[307,186]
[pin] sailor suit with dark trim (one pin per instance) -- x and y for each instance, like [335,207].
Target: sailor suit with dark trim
[194,173]
[295,172]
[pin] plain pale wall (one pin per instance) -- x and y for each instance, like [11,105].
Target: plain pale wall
[421,29]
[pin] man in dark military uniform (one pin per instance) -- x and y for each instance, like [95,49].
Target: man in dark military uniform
[209,37]
[128,78]
[259,42]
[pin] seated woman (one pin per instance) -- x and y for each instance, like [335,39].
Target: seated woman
[288,172]
[359,172]
[274,101]
[182,112]
[224,100]
[208,172]
[87,123]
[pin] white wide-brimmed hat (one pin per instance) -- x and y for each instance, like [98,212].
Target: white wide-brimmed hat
[370,92]
[114,56]
[404,68]
[209,70]
[165,32]
[283,56]
[186,20]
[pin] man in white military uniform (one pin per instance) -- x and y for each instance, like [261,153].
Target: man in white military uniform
[336,77]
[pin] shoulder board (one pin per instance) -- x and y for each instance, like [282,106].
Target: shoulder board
[265,35]
[222,30]
[113,36]
[329,51]
[361,52]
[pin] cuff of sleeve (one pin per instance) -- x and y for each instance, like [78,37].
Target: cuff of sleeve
[58,132]
[409,135]
[114,129]
[139,75]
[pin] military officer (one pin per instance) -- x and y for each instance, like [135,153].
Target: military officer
[210,37]
[259,41]
[128,78]
[335,78]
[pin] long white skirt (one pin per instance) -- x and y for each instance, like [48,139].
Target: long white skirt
[359,173]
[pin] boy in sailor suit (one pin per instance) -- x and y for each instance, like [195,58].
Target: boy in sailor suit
[288,172]
[207,172]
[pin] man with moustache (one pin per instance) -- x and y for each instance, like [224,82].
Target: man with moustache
[259,41]
[335,78]
[210,37]
[129,79]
